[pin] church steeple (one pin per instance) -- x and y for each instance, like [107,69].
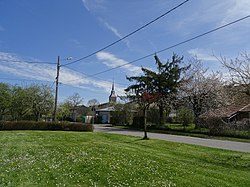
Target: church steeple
[112,97]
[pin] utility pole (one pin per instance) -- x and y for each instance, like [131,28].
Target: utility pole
[57,81]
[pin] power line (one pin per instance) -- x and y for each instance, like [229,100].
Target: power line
[30,62]
[126,36]
[173,46]
[3,78]
[81,88]
[86,75]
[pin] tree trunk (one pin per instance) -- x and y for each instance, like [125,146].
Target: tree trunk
[145,124]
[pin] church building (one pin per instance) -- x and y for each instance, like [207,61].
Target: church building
[104,110]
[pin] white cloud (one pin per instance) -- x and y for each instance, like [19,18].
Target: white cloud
[79,80]
[93,5]
[113,30]
[112,61]
[14,65]
[236,10]
[202,54]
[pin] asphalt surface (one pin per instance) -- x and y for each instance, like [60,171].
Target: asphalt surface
[221,144]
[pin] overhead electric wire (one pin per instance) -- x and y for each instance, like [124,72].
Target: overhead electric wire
[175,45]
[126,36]
[3,78]
[86,75]
[30,62]
[82,88]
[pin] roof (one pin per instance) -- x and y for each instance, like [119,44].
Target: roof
[228,111]
[108,109]
[246,108]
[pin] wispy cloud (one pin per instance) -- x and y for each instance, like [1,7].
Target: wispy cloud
[93,5]
[112,61]
[14,65]
[113,30]
[237,9]
[202,54]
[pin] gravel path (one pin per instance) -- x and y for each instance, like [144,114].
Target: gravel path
[221,144]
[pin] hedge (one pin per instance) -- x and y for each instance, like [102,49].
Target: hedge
[32,125]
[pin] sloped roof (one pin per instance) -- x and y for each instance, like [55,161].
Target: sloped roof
[228,111]
[108,109]
[246,108]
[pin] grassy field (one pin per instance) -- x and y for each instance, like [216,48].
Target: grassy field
[46,158]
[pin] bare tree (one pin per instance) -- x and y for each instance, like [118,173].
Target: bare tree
[239,70]
[93,102]
[202,91]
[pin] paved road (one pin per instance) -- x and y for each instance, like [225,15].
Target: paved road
[221,144]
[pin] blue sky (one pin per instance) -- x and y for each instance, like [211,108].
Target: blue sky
[39,31]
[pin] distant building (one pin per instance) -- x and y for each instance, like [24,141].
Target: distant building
[112,97]
[103,111]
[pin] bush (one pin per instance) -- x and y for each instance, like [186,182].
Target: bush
[153,116]
[214,124]
[185,117]
[32,125]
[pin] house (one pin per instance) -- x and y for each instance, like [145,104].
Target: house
[232,113]
[105,114]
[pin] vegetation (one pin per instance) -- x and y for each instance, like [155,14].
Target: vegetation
[35,158]
[25,103]
[32,125]
[239,70]
[157,87]
[202,91]
[123,114]
[185,116]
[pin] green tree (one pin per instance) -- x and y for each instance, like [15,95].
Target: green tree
[185,116]
[42,100]
[20,103]
[123,114]
[162,84]
[5,99]
[64,111]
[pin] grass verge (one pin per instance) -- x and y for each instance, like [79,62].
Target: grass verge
[190,131]
[46,158]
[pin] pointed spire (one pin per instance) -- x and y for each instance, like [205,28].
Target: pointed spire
[112,97]
[113,85]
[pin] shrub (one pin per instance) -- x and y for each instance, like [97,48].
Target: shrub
[32,125]
[153,116]
[185,117]
[214,124]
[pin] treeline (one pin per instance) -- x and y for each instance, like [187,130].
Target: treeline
[25,103]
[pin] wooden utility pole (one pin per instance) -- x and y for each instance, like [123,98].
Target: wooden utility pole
[57,81]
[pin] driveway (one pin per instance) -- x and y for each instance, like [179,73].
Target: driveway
[221,144]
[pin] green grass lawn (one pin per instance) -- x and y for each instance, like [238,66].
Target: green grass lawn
[46,158]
